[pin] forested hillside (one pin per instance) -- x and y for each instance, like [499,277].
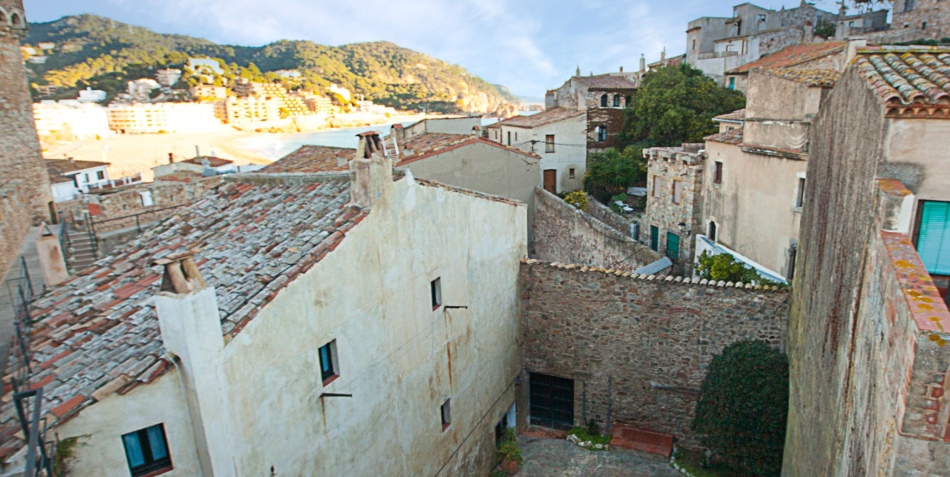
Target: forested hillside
[95,51]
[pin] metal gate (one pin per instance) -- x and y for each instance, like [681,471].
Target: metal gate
[552,401]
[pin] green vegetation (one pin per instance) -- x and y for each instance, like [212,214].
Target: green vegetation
[589,433]
[743,408]
[726,268]
[611,172]
[509,450]
[825,29]
[63,453]
[578,199]
[105,54]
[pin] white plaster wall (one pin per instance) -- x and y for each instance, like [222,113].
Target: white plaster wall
[398,357]
[570,150]
[925,142]
[99,451]
[754,206]
[64,191]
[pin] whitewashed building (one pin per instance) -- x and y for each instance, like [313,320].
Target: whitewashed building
[559,136]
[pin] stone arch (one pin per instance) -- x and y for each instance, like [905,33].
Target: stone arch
[16,19]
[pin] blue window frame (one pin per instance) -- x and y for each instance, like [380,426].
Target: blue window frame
[146,450]
[933,239]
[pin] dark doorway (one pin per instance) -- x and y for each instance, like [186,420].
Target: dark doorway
[550,180]
[552,401]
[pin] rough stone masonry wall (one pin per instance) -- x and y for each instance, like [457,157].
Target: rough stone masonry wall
[649,340]
[847,148]
[14,224]
[20,156]
[563,233]
[604,214]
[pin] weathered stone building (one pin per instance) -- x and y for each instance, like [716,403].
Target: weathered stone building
[832,55]
[675,181]
[266,353]
[24,190]
[869,325]
[916,20]
[603,97]
[633,350]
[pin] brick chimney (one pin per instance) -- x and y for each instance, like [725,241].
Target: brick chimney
[371,172]
[52,262]
[191,333]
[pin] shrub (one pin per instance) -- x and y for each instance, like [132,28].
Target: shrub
[726,268]
[743,407]
[509,447]
[611,172]
[578,199]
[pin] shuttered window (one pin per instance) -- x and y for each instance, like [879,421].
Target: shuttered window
[933,242]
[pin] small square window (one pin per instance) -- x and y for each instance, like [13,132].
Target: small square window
[329,367]
[436,288]
[446,414]
[100,175]
[146,451]
[570,173]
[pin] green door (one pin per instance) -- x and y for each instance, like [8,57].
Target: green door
[655,238]
[672,246]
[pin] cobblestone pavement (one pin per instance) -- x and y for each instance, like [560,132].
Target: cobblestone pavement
[560,458]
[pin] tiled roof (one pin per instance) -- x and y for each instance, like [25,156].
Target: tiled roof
[732,136]
[792,56]
[430,144]
[313,159]
[99,333]
[212,161]
[825,78]
[606,81]
[737,115]
[908,76]
[547,116]
[181,176]
[66,166]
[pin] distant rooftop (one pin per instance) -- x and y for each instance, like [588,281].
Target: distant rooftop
[792,56]
[212,161]
[429,144]
[313,159]
[606,81]
[547,116]
[732,136]
[99,333]
[825,78]
[68,166]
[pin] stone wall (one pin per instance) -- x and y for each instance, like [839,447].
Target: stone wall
[563,233]
[14,224]
[20,155]
[638,347]
[604,214]
[610,117]
[909,25]
[667,166]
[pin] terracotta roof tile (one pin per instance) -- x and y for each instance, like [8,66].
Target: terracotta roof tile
[313,159]
[732,136]
[547,116]
[65,166]
[254,231]
[430,144]
[606,81]
[904,76]
[792,56]
[825,78]
[737,115]
[212,161]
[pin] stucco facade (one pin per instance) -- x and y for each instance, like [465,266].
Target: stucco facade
[255,403]
[567,153]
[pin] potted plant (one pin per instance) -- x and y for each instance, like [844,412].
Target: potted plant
[509,455]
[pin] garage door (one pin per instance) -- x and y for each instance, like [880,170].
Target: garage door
[552,401]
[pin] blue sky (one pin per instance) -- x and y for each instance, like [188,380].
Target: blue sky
[527,45]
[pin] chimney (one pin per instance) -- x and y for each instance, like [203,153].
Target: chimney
[854,44]
[52,262]
[370,172]
[663,56]
[171,158]
[643,63]
[191,333]
[621,69]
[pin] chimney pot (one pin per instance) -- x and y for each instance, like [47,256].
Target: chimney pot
[181,275]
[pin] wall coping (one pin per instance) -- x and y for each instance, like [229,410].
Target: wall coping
[654,278]
[926,306]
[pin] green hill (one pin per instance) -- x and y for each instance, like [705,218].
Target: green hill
[104,54]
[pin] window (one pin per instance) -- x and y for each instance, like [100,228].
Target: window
[549,143]
[655,238]
[694,44]
[146,196]
[677,192]
[657,186]
[616,100]
[446,414]
[329,368]
[146,450]
[851,24]
[601,133]
[711,231]
[603,101]
[717,173]
[909,5]
[436,288]
[792,255]
[509,138]
[100,175]
[85,178]
[760,17]
[570,173]
[800,195]
[923,26]
[732,82]
[933,236]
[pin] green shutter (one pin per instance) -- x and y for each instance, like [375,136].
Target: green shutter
[933,244]
[672,246]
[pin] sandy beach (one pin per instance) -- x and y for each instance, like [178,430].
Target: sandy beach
[138,153]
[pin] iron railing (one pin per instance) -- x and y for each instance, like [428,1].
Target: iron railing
[39,451]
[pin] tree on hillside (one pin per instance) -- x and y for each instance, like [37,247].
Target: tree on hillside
[676,104]
[743,408]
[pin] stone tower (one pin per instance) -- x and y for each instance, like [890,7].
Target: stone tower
[21,162]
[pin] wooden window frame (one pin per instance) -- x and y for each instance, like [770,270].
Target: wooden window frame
[549,143]
[152,466]
[717,172]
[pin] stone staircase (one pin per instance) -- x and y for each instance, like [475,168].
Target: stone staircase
[82,251]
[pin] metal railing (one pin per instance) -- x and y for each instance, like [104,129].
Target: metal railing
[39,451]
[137,217]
